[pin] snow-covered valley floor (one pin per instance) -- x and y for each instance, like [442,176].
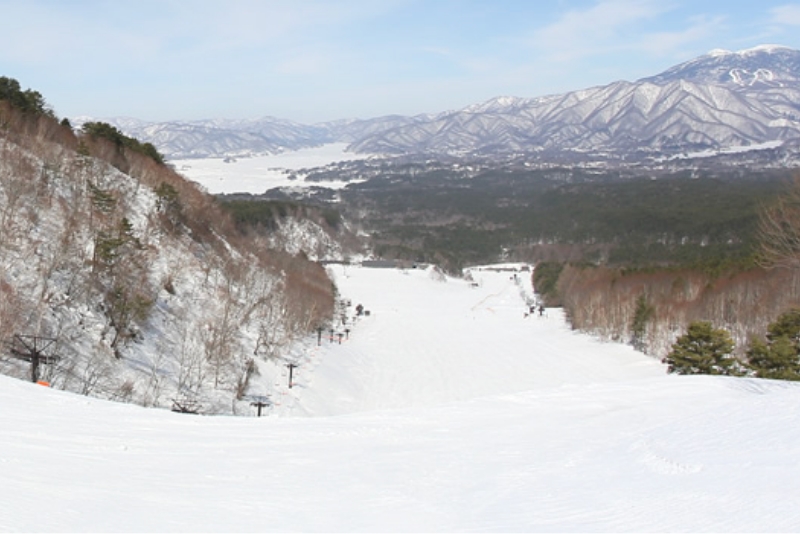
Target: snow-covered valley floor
[257,174]
[445,410]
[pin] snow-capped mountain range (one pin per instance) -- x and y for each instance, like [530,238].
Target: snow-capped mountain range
[719,100]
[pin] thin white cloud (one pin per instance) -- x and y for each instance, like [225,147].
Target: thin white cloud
[668,43]
[160,31]
[254,23]
[778,23]
[785,15]
[583,33]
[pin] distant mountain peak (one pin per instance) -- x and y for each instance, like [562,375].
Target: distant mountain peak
[763,64]
[759,49]
[766,48]
[494,104]
[721,99]
[717,52]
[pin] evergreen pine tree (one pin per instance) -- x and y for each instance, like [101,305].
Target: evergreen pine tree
[758,356]
[642,315]
[787,324]
[702,350]
[779,356]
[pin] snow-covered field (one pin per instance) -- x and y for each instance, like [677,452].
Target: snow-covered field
[445,410]
[257,174]
[725,150]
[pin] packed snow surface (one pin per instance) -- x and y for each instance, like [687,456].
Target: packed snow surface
[256,174]
[444,409]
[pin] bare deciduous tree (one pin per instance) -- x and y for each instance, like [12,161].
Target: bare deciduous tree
[779,230]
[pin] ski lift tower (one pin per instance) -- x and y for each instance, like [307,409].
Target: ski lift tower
[33,349]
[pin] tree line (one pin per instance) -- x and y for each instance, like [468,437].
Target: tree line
[106,131]
[707,220]
[776,354]
[740,319]
[27,100]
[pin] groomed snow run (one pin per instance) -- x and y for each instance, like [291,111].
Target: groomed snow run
[446,410]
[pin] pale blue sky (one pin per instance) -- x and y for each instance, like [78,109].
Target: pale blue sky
[315,60]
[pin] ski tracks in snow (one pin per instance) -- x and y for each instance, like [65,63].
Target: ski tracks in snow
[476,339]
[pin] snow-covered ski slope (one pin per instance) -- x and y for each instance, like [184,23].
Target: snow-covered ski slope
[446,410]
[432,340]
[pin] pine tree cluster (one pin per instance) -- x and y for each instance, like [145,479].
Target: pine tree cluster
[708,350]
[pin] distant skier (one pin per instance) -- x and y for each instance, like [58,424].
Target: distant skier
[541,310]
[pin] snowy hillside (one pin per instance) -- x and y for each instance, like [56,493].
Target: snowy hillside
[122,280]
[458,413]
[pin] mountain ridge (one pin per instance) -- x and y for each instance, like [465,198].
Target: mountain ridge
[719,100]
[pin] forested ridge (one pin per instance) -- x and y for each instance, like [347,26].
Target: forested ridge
[678,219]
